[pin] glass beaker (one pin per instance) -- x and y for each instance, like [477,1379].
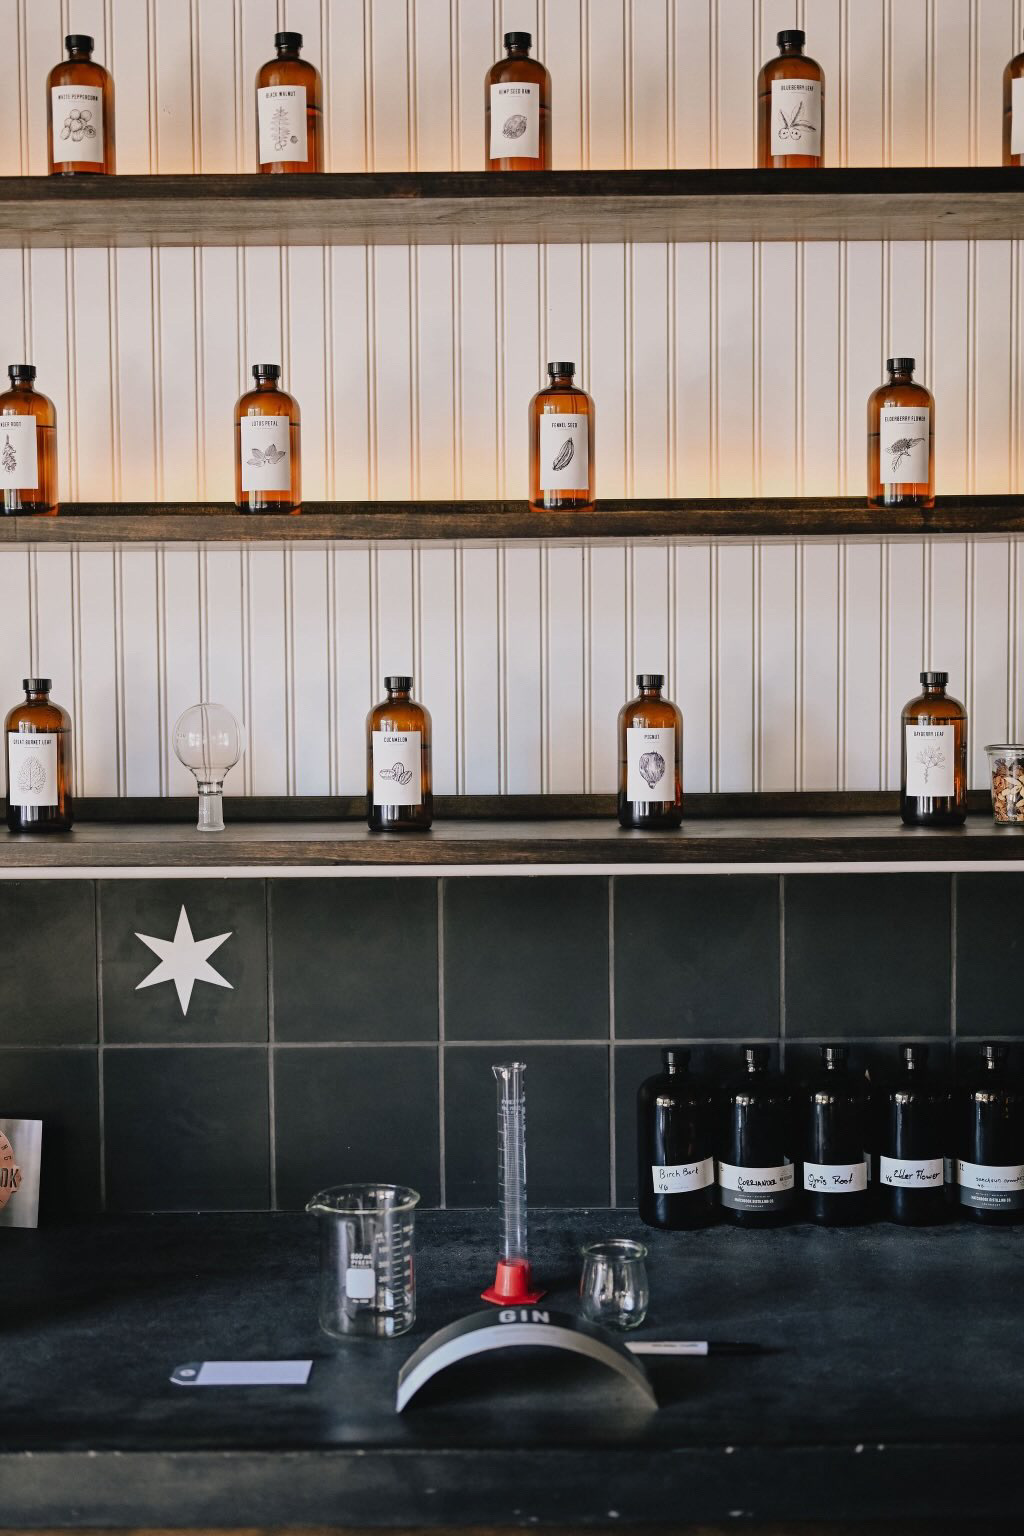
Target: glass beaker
[613,1285]
[367,1277]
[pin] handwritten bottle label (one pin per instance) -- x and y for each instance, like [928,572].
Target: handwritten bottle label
[77,112]
[1017,116]
[835,1178]
[796,117]
[281,115]
[683,1178]
[19,458]
[515,121]
[396,768]
[266,453]
[31,768]
[756,1189]
[564,452]
[900,1173]
[903,445]
[650,764]
[988,1187]
[930,753]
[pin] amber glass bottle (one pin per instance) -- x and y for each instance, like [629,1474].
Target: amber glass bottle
[517,110]
[901,440]
[80,113]
[37,734]
[28,445]
[562,471]
[933,773]
[791,108]
[650,757]
[398,770]
[1013,111]
[267,450]
[289,111]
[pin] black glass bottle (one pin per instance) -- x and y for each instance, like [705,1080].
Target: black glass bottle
[756,1176]
[835,1132]
[989,1135]
[675,1151]
[911,1134]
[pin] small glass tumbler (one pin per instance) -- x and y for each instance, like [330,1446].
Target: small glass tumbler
[1006,764]
[613,1285]
[367,1279]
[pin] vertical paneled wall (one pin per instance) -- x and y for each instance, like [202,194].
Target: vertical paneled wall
[722,370]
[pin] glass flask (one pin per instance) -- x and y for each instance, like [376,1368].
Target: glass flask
[650,757]
[613,1285]
[79,113]
[791,108]
[561,418]
[38,750]
[398,761]
[289,111]
[933,757]
[901,440]
[209,741]
[268,458]
[28,446]
[367,1275]
[517,110]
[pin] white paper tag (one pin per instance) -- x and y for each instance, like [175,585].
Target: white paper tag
[266,453]
[1017,116]
[681,1178]
[19,458]
[927,1173]
[903,445]
[281,111]
[564,452]
[243,1373]
[77,123]
[396,768]
[667,1346]
[835,1178]
[31,768]
[756,1189]
[515,121]
[796,117]
[360,1280]
[650,764]
[930,753]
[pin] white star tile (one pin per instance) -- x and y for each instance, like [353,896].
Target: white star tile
[183,960]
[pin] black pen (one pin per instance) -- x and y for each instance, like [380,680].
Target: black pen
[693,1347]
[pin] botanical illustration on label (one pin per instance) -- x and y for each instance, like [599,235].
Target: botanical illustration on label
[796,117]
[281,113]
[10,1173]
[396,768]
[926,1173]
[515,121]
[266,453]
[756,1189]
[650,763]
[1017,116]
[990,1187]
[19,460]
[31,768]
[77,123]
[930,752]
[903,451]
[835,1178]
[564,452]
[681,1178]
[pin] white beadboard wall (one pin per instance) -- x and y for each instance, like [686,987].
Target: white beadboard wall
[730,369]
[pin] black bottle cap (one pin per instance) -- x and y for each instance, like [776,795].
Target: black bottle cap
[555,368]
[676,1058]
[78,42]
[915,1056]
[288,40]
[756,1057]
[518,40]
[650,679]
[398,683]
[791,38]
[834,1056]
[935,679]
[21,371]
[901,364]
[266,370]
[36,684]
[995,1052]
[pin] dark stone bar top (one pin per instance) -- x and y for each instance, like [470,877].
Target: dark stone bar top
[897,1389]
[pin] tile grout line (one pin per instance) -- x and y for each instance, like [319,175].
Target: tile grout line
[782,973]
[101,1101]
[612,1128]
[442,1170]
[271,1061]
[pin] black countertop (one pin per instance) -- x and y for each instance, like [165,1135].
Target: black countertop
[897,1391]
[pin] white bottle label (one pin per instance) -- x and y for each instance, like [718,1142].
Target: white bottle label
[19,458]
[281,114]
[929,1173]
[360,1279]
[930,753]
[396,768]
[835,1178]
[650,764]
[681,1178]
[515,121]
[903,445]
[987,1187]
[564,452]
[31,768]
[266,453]
[796,117]
[77,123]
[756,1189]
[1017,116]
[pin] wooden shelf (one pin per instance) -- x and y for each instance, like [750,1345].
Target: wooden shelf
[475,207]
[725,517]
